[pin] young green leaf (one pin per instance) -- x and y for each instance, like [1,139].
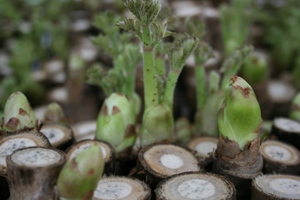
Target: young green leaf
[255,69]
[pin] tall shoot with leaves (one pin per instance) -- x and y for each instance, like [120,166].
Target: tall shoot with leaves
[125,56]
[209,96]
[202,53]
[235,24]
[158,122]
[117,118]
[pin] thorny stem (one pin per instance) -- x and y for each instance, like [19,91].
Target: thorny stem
[150,84]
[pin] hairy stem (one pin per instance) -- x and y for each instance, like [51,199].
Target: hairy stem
[150,84]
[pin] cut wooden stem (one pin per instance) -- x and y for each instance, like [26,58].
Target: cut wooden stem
[159,161]
[193,185]
[276,187]
[60,136]
[32,172]
[204,146]
[287,130]
[14,141]
[84,130]
[280,158]
[280,94]
[11,142]
[125,188]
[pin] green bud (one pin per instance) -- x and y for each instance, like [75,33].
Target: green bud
[158,124]
[255,69]
[295,108]
[79,177]
[18,113]
[114,121]
[54,114]
[239,118]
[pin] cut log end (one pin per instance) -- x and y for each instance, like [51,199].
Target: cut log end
[121,188]
[190,186]
[287,130]
[204,146]
[59,136]
[276,187]
[12,142]
[36,157]
[166,160]
[287,125]
[280,157]
[34,171]
[159,161]
[84,130]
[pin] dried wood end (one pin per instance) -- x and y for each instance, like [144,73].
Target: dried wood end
[190,186]
[276,187]
[121,188]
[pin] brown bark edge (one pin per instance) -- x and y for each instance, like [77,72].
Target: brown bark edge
[33,183]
